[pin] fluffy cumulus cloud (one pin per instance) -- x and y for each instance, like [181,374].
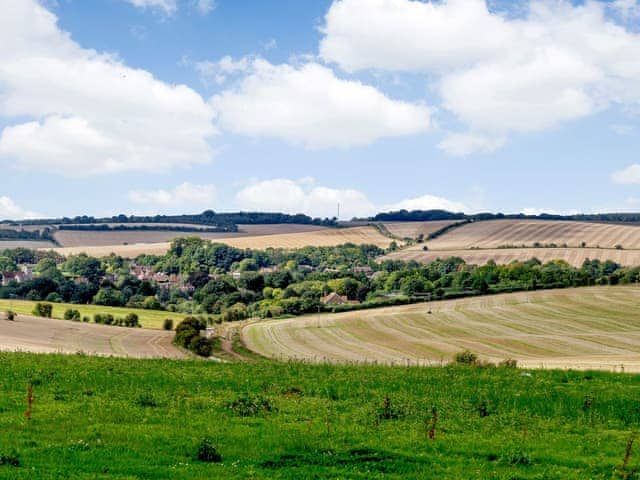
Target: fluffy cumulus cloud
[305,196]
[427,202]
[556,63]
[9,210]
[309,105]
[74,111]
[627,176]
[185,195]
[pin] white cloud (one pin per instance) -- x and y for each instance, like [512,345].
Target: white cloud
[622,129]
[9,210]
[184,195]
[168,7]
[627,176]
[548,211]
[461,144]
[219,71]
[308,105]
[303,196]
[555,63]
[74,111]
[427,202]
[205,6]
[628,9]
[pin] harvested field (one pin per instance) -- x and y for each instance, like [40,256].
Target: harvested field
[573,256]
[322,237]
[24,244]
[496,233]
[77,238]
[413,229]
[584,328]
[81,238]
[44,335]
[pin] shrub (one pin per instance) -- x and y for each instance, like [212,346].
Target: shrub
[168,324]
[43,310]
[250,406]
[86,319]
[11,459]
[508,363]
[131,320]
[466,357]
[146,400]
[207,452]
[70,314]
[201,346]
[11,315]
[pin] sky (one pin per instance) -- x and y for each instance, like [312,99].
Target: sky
[177,106]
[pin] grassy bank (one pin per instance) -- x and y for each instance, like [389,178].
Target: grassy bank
[122,419]
[148,318]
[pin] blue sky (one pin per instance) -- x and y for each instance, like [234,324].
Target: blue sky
[170,106]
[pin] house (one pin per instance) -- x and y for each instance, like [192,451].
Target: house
[367,270]
[8,277]
[334,299]
[273,269]
[27,269]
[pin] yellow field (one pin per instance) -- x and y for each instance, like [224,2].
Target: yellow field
[317,237]
[595,327]
[413,229]
[573,256]
[148,318]
[496,233]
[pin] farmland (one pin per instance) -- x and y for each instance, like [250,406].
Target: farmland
[497,233]
[573,256]
[152,319]
[591,327]
[414,229]
[45,335]
[315,237]
[122,419]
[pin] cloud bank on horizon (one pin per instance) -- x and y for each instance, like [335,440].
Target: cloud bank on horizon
[488,74]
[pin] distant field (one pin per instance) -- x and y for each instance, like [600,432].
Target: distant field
[496,233]
[316,237]
[573,256]
[45,335]
[584,328]
[148,318]
[24,244]
[79,238]
[413,229]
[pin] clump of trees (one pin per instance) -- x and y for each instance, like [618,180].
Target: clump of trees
[188,336]
[43,310]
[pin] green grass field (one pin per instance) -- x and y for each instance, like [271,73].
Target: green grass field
[148,318]
[101,418]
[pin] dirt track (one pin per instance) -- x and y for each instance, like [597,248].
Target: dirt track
[42,335]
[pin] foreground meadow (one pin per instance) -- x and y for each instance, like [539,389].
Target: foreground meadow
[132,419]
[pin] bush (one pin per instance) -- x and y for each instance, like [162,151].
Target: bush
[70,314]
[43,310]
[11,315]
[508,363]
[207,452]
[168,324]
[146,400]
[86,319]
[201,346]
[131,320]
[250,406]
[188,336]
[466,357]
[11,459]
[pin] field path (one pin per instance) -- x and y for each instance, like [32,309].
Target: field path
[43,335]
[596,327]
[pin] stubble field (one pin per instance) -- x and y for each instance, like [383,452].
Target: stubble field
[585,328]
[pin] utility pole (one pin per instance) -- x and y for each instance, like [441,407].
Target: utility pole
[338,217]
